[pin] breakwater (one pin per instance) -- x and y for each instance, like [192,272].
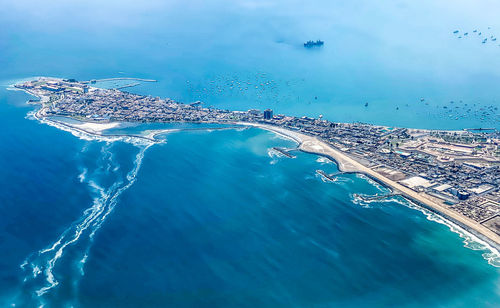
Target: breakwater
[119,78]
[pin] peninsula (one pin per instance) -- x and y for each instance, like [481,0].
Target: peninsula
[453,173]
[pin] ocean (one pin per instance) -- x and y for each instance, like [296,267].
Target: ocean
[216,218]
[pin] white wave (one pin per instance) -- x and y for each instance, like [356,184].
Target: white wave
[374,183]
[88,136]
[82,175]
[107,158]
[333,179]
[51,248]
[272,153]
[95,212]
[325,179]
[242,128]
[44,261]
[30,115]
[324,160]
[97,188]
[23,265]
[131,178]
[85,147]
[36,270]
[279,135]
[82,263]
[471,241]
[92,219]
[359,200]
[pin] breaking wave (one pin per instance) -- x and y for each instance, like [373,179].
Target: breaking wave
[336,179]
[471,241]
[374,183]
[323,160]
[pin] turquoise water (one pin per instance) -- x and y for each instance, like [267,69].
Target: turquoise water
[216,218]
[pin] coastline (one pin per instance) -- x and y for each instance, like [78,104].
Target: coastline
[313,145]
[346,163]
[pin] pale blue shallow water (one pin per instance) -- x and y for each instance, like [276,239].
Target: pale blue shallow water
[214,218]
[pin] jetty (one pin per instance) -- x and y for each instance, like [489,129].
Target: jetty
[128,85]
[375,197]
[284,151]
[118,78]
[327,176]
[480,129]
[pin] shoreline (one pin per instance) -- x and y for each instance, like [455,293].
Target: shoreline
[12,86]
[345,163]
[313,145]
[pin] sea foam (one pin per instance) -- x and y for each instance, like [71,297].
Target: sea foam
[83,230]
[471,241]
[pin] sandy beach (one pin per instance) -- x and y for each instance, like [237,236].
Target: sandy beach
[96,127]
[345,163]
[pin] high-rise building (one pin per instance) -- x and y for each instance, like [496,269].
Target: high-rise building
[268,114]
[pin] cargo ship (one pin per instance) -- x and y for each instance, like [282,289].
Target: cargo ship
[311,44]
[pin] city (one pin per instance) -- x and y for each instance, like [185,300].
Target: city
[459,170]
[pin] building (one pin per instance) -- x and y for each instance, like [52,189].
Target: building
[268,114]
[463,195]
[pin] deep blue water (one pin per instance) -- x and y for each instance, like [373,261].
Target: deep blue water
[215,218]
